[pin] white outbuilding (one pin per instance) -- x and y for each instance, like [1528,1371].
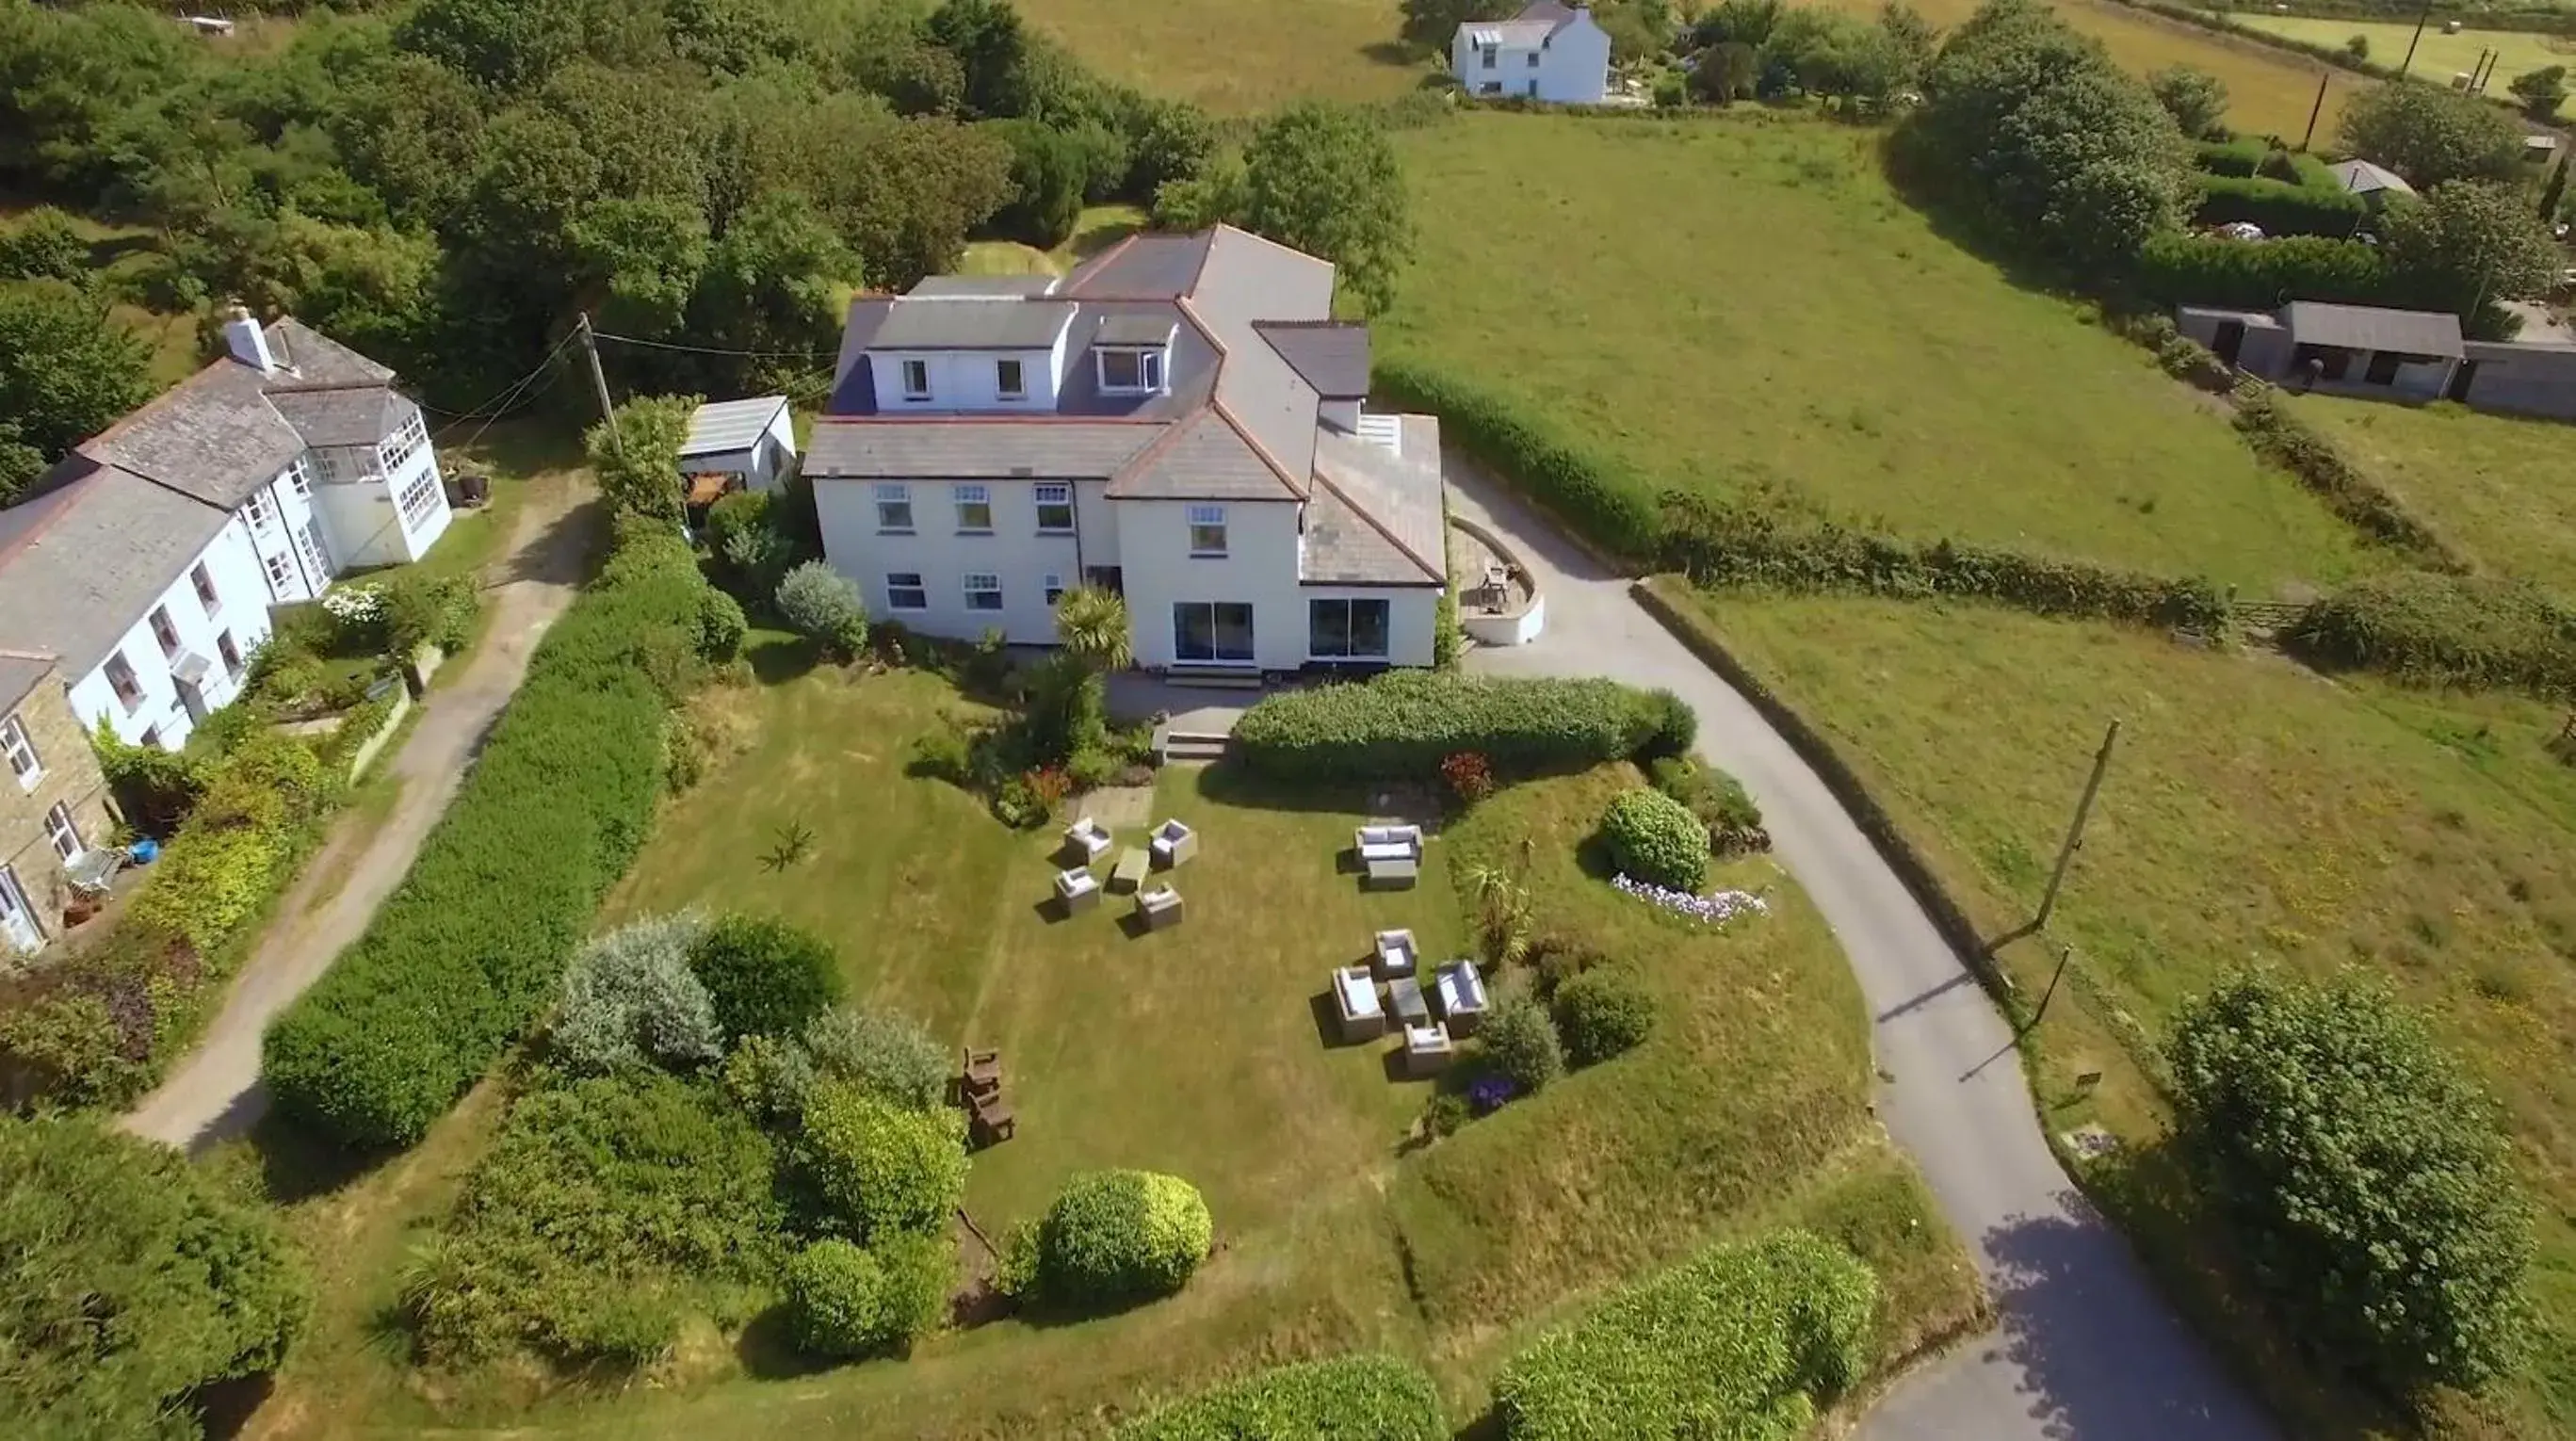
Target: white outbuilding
[737,445]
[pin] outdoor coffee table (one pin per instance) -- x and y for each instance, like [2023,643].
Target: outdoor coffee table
[1130,871]
[1404,998]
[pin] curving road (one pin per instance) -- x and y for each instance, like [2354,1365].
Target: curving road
[2083,1348]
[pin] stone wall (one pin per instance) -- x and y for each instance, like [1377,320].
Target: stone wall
[70,778]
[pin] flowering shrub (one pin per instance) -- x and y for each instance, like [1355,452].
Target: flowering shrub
[353,605]
[1486,1094]
[1050,784]
[1714,910]
[1470,775]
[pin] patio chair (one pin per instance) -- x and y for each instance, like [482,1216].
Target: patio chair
[1086,839]
[1355,1004]
[1159,908]
[993,1121]
[1427,1049]
[982,1068]
[1394,954]
[1172,844]
[1459,993]
[1076,890]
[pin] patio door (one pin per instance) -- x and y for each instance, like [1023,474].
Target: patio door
[1211,632]
[17,919]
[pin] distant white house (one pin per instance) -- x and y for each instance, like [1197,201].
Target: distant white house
[149,558]
[738,445]
[1546,52]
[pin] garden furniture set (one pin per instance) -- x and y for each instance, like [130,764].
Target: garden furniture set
[1158,907]
[1390,856]
[979,1086]
[1385,995]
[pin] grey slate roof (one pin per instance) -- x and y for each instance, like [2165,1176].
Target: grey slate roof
[1203,459]
[2362,178]
[1248,279]
[988,324]
[1142,267]
[1332,355]
[359,415]
[20,673]
[1011,285]
[82,563]
[1135,327]
[2368,327]
[720,427]
[1523,31]
[973,448]
[1375,518]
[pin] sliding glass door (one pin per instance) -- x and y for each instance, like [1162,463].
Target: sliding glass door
[1211,632]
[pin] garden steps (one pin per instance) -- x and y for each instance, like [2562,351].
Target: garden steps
[1179,745]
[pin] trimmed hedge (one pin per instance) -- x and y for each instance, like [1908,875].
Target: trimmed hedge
[463,956]
[2279,207]
[1377,1397]
[1653,837]
[1402,724]
[2444,629]
[1741,1342]
[2183,268]
[2356,499]
[1118,1235]
[1716,544]
[1607,502]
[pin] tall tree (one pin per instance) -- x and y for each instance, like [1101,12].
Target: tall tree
[2196,99]
[778,282]
[66,369]
[2466,244]
[2430,134]
[1324,179]
[992,50]
[504,45]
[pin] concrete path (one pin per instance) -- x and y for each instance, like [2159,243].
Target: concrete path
[2084,1350]
[214,1093]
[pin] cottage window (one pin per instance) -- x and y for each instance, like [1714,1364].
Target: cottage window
[65,836]
[1055,509]
[1054,589]
[231,654]
[904,591]
[916,380]
[404,443]
[1207,530]
[1490,55]
[974,510]
[420,500]
[1130,372]
[1007,380]
[983,591]
[281,572]
[204,582]
[1533,60]
[164,632]
[256,508]
[894,510]
[1205,632]
[317,556]
[120,679]
[21,753]
[1346,629]
[299,477]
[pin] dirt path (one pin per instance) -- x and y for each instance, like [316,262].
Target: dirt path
[214,1093]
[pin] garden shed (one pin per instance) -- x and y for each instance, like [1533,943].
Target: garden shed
[737,445]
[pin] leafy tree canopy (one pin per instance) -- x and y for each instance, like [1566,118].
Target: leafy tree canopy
[1324,179]
[2430,134]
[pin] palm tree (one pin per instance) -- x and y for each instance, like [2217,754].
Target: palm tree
[1092,624]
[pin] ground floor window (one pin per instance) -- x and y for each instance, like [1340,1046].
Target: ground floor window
[904,591]
[1346,629]
[1205,631]
[1054,589]
[983,591]
[420,500]
[281,572]
[65,836]
[17,918]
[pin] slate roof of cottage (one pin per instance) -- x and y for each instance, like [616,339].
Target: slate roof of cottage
[1375,518]
[975,448]
[977,323]
[1332,355]
[82,562]
[1524,31]
[2369,327]
[20,673]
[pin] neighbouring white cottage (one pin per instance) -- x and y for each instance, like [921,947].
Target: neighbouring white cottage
[1547,52]
[1180,420]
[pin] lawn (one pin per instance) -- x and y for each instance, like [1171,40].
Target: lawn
[2438,57]
[1748,305]
[2496,484]
[1237,57]
[2254,812]
[1199,1051]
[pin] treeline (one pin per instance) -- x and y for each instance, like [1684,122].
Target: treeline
[441,186]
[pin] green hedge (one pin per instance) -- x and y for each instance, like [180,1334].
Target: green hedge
[1404,723]
[464,955]
[1351,1397]
[1737,545]
[1606,502]
[2447,629]
[2360,502]
[2181,268]
[1741,1342]
[2279,207]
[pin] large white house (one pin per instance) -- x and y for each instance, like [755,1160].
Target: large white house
[149,558]
[1546,52]
[1180,419]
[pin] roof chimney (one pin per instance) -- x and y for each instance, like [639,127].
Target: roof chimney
[248,341]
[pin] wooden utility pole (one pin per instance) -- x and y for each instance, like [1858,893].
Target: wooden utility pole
[599,384]
[2315,110]
[2075,832]
[2421,16]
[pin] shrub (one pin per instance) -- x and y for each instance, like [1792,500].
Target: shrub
[1470,778]
[2185,268]
[2286,441]
[1598,497]
[1015,1270]
[2445,629]
[419,611]
[736,513]
[878,1168]
[1401,725]
[1119,1235]
[2367,1173]
[1716,798]
[1653,837]
[1521,1042]
[943,754]
[629,997]
[464,955]
[886,1055]
[1602,1012]
[721,626]
[850,1302]
[765,977]
[1672,726]
[823,605]
[1743,1341]
[769,1077]
[1378,1397]
[2279,208]
[131,1281]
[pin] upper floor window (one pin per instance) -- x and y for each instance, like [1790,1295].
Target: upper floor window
[974,510]
[1007,380]
[916,380]
[21,753]
[405,443]
[1130,372]
[204,581]
[257,508]
[1055,509]
[1533,60]
[1490,54]
[420,500]
[65,835]
[1207,530]
[164,632]
[231,653]
[894,509]
[120,679]
[299,476]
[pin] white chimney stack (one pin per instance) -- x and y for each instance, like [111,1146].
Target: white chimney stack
[248,341]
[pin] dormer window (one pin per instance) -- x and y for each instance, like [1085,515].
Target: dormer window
[1007,380]
[916,380]
[1130,372]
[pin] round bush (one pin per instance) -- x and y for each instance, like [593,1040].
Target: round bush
[1603,1012]
[1653,837]
[1114,1235]
[766,977]
[878,1168]
[721,626]
[1522,1043]
[823,605]
[1672,725]
[849,1302]
[888,1056]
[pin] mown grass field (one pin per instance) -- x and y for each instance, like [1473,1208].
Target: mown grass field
[1198,1051]
[2438,57]
[2254,813]
[1741,305]
[1237,57]
[2498,485]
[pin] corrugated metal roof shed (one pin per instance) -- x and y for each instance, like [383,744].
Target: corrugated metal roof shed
[721,427]
[2368,327]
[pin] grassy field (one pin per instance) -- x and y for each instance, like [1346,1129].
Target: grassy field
[2438,57]
[1197,1050]
[1772,315]
[1237,57]
[2496,484]
[2254,813]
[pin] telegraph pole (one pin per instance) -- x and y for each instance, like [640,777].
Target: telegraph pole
[2075,832]
[2420,17]
[2314,111]
[599,384]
